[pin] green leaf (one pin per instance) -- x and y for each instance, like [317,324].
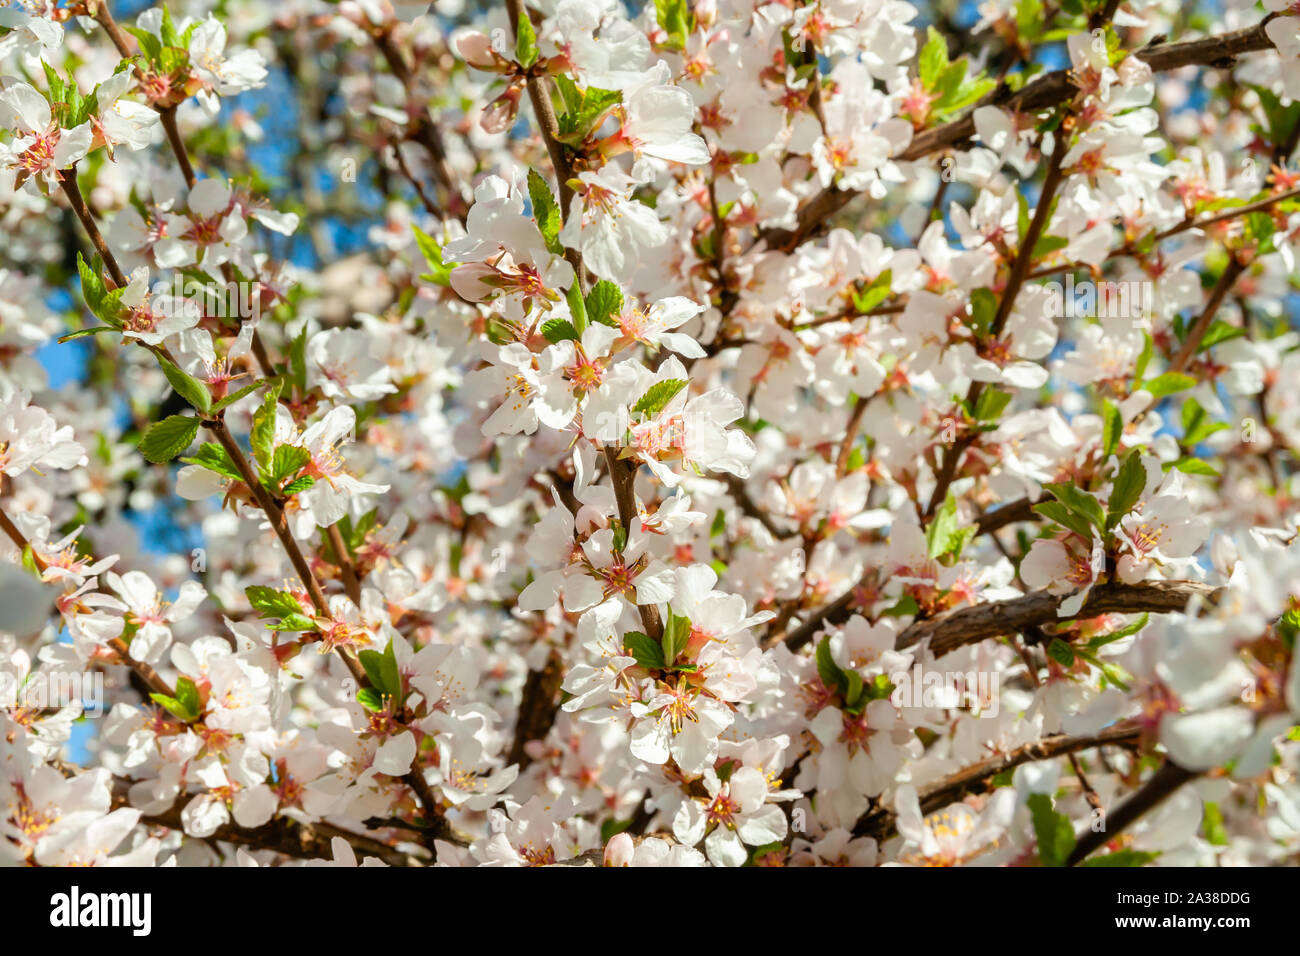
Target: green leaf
[677,633]
[439,272]
[294,622]
[874,294]
[546,211]
[1121,858]
[944,536]
[648,653]
[1079,501]
[906,607]
[525,41]
[173,706]
[1220,331]
[166,439]
[286,462]
[1061,652]
[1112,428]
[1046,245]
[676,20]
[577,308]
[1144,357]
[830,673]
[991,404]
[214,458]
[1101,640]
[1189,465]
[658,396]
[1130,481]
[559,330]
[188,388]
[297,485]
[270,603]
[1168,384]
[298,356]
[242,393]
[370,699]
[983,309]
[934,58]
[1055,511]
[82,333]
[188,695]
[1053,830]
[262,434]
[604,301]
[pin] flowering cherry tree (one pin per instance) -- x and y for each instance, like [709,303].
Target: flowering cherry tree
[805,432]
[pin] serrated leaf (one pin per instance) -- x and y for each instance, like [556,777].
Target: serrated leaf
[166,439]
[604,301]
[648,653]
[934,58]
[546,211]
[658,396]
[1055,834]
[1168,384]
[262,434]
[1061,652]
[1112,428]
[525,41]
[677,633]
[832,677]
[1130,481]
[297,486]
[983,309]
[82,333]
[1078,501]
[439,272]
[214,458]
[991,404]
[187,387]
[271,603]
[1127,630]
[286,461]
[1055,511]
[559,330]
[875,293]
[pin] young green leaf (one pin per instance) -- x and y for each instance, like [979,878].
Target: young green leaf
[166,439]
[658,396]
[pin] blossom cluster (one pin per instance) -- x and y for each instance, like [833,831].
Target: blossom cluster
[629,402]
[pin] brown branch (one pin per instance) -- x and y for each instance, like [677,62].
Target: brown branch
[622,472]
[537,708]
[68,182]
[1160,786]
[751,509]
[1196,333]
[977,778]
[1047,91]
[952,454]
[967,625]
[304,841]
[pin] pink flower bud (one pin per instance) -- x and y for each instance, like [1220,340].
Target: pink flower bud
[588,519]
[618,851]
[477,50]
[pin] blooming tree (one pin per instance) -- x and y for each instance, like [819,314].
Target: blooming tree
[806,432]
